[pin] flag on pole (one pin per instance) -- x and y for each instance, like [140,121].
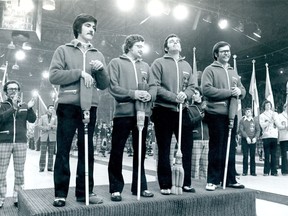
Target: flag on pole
[42,109]
[239,109]
[4,80]
[195,72]
[254,92]
[268,88]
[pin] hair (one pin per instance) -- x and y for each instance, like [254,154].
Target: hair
[197,88]
[10,82]
[166,41]
[247,108]
[216,47]
[130,40]
[50,105]
[79,20]
[264,104]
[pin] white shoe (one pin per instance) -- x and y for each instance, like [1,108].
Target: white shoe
[211,187]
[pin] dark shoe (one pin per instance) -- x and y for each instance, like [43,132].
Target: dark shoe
[244,174]
[1,204]
[237,174]
[93,199]
[236,186]
[189,189]
[265,174]
[41,170]
[116,197]
[59,202]
[50,170]
[16,204]
[145,193]
[274,174]
[254,174]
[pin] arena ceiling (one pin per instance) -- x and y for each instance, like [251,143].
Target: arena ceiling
[113,26]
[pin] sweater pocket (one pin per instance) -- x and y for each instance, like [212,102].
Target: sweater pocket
[125,109]
[69,96]
[220,107]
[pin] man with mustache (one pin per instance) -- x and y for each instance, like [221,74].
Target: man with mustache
[70,63]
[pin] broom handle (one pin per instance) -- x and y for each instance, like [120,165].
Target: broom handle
[227,158]
[180,129]
[139,161]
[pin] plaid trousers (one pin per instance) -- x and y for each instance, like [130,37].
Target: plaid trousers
[200,159]
[19,156]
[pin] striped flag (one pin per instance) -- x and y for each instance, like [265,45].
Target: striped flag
[268,88]
[4,80]
[239,109]
[254,92]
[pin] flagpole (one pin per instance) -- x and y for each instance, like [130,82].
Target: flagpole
[195,72]
[253,73]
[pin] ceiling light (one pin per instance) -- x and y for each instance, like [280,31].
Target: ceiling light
[180,12]
[11,45]
[239,28]
[26,46]
[207,19]
[20,55]
[125,5]
[48,5]
[155,8]
[15,66]
[223,23]
[258,32]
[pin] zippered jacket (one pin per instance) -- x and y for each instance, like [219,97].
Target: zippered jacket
[124,78]
[216,84]
[171,77]
[13,122]
[267,121]
[66,67]
[200,127]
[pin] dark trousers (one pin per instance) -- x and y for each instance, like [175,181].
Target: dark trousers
[270,149]
[284,163]
[69,119]
[44,146]
[248,148]
[166,122]
[218,137]
[120,133]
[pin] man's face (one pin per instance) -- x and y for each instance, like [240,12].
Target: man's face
[12,90]
[248,113]
[137,49]
[268,106]
[51,109]
[87,32]
[174,45]
[197,97]
[224,54]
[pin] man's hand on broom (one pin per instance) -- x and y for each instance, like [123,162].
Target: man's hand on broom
[181,97]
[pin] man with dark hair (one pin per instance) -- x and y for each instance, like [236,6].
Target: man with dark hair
[175,83]
[219,83]
[14,115]
[125,73]
[47,125]
[70,63]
